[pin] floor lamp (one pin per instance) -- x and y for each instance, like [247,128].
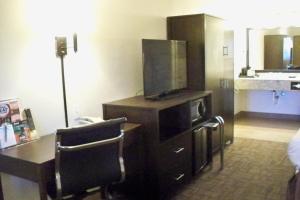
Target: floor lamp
[61,52]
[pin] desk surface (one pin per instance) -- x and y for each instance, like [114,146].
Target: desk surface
[35,160]
[42,150]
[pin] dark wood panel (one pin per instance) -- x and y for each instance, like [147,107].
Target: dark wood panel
[19,168]
[134,163]
[228,90]
[206,70]
[191,29]
[228,114]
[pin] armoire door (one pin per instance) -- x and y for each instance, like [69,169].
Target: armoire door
[214,70]
[228,86]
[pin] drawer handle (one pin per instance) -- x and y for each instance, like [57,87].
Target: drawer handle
[180,176]
[179,150]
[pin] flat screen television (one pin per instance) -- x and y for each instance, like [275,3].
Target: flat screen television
[164,67]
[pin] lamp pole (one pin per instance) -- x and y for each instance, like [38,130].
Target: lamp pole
[61,51]
[64,90]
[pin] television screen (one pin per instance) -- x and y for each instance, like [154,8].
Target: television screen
[164,67]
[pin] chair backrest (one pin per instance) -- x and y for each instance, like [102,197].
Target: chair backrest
[89,156]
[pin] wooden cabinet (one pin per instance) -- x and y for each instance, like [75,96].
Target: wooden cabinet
[167,133]
[205,61]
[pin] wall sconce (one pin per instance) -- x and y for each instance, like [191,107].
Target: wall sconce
[61,52]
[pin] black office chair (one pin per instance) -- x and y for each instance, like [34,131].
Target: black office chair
[88,157]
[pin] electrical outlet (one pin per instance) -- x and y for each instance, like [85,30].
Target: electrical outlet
[76,110]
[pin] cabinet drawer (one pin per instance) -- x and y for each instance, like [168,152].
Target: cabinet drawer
[174,178]
[175,152]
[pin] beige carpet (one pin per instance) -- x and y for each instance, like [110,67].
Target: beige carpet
[256,165]
[254,170]
[276,130]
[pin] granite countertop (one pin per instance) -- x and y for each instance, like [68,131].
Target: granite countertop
[267,81]
[275,76]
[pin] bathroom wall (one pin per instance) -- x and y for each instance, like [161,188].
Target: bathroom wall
[264,101]
[259,100]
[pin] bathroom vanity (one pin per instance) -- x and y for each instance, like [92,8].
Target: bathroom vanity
[274,89]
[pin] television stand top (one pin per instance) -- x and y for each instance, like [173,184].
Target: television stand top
[141,102]
[165,95]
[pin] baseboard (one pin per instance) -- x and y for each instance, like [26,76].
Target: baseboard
[242,114]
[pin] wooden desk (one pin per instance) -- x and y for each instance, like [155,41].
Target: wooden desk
[35,161]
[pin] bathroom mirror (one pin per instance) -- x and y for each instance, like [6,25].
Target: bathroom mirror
[274,49]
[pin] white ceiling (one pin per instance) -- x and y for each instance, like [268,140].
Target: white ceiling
[249,13]
[258,13]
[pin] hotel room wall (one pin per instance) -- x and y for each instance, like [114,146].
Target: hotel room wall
[108,64]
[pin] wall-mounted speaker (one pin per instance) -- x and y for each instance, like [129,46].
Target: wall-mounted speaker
[75,42]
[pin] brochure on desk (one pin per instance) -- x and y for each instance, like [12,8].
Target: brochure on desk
[13,129]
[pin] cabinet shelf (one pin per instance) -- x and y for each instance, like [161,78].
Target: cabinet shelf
[173,121]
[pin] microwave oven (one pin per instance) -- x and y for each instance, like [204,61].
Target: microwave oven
[198,110]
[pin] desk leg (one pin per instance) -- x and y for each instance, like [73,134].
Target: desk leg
[43,190]
[42,184]
[1,188]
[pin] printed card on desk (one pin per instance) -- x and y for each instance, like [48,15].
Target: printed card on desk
[7,136]
[14,129]
[9,111]
[9,114]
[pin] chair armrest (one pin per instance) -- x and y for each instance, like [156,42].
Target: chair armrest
[91,144]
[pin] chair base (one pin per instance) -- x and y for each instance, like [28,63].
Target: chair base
[105,195]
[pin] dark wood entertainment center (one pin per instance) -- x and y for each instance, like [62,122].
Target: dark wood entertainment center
[172,142]
[168,136]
